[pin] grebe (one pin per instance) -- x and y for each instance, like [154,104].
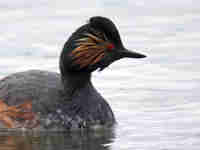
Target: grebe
[67,100]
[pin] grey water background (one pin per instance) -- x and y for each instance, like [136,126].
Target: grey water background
[156,100]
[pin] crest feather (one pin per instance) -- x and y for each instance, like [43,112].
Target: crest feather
[90,49]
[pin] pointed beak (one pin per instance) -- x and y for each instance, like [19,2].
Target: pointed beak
[131,54]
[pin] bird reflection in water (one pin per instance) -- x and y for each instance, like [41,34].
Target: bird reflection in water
[87,140]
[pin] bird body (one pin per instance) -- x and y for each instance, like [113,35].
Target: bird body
[55,109]
[67,100]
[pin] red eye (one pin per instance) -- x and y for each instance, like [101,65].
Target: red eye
[110,46]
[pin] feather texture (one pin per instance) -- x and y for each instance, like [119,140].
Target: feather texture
[90,49]
[18,116]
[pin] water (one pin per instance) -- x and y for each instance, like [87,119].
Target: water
[155,100]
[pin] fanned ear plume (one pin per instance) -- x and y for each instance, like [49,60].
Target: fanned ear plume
[90,50]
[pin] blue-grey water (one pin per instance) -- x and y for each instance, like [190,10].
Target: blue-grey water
[156,100]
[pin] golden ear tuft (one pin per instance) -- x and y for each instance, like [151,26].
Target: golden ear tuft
[95,38]
[90,50]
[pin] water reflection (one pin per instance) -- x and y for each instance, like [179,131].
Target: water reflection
[91,140]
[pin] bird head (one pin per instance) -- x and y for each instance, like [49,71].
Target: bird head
[93,46]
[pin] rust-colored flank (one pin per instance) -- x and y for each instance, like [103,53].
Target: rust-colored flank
[18,116]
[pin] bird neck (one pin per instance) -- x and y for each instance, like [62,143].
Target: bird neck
[74,82]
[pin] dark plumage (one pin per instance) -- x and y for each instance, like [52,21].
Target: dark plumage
[69,100]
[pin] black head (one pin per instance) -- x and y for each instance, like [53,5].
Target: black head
[93,46]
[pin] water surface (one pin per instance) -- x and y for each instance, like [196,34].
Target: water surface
[155,100]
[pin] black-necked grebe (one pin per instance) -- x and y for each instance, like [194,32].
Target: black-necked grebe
[67,100]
